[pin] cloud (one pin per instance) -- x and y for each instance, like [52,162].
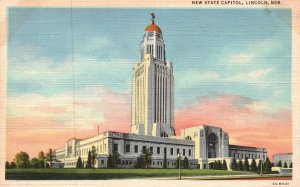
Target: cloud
[45,75]
[190,78]
[260,73]
[49,120]
[240,58]
[247,121]
[255,76]
[253,51]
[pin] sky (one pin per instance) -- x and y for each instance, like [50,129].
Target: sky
[232,69]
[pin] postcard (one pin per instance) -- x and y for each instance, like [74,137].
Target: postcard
[191,93]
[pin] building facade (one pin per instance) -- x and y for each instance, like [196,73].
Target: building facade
[152,124]
[284,158]
[153,88]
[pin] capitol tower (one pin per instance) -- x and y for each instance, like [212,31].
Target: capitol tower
[153,87]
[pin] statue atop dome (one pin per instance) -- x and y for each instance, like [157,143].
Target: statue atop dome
[152,17]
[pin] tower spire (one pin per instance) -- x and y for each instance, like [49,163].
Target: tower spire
[152,17]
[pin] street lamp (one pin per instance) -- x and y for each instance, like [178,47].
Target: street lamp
[261,165]
[179,164]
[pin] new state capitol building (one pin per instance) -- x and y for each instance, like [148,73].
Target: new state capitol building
[152,122]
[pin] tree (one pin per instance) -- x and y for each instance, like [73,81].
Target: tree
[291,165]
[42,159]
[215,165]
[41,163]
[144,159]
[246,164]
[240,166]
[253,166]
[234,164]
[50,155]
[93,156]
[219,165]
[35,163]
[279,163]
[139,162]
[47,165]
[267,166]
[185,163]
[115,159]
[22,160]
[109,161]
[165,160]
[178,161]
[7,166]
[259,166]
[285,165]
[89,161]
[12,165]
[224,165]
[79,163]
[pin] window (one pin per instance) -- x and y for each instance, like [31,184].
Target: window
[171,151]
[151,149]
[127,148]
[115,147]
[190,152]
[178,151]
[183,152]
[165,150]
[136,148]
[164,134]
[158,150]
[160,48]
[144,148]
[102,162]
[152,49]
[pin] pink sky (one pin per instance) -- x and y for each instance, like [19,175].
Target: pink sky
[44,124]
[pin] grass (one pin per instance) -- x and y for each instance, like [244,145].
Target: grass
[102,174]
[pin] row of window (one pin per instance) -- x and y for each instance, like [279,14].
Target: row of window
[244,155]
[153,163]
[150,49]
[159,52]
[160,98]
[70,164]
[85,151]
[158,150]
[140,101]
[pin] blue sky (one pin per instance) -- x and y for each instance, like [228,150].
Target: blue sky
[244,52]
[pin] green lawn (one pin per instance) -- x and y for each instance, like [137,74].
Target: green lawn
[84,174]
